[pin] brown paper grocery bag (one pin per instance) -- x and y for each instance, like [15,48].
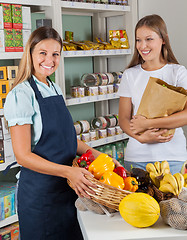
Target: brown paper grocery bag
[161,99]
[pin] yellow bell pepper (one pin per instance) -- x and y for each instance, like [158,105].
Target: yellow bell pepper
[112,179]
[100,165]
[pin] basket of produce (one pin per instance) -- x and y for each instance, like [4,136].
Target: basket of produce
[110,185]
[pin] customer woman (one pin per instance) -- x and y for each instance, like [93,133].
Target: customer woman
[153,57]
[45,144]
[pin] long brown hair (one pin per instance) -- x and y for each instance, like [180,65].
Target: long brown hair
[156,24]
[26,65]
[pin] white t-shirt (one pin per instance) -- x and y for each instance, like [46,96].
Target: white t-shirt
[133,84]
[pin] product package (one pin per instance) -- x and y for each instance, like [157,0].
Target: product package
[17,16]
[119,39]
[9,40]
[18,40]
[7,15]
[161,100]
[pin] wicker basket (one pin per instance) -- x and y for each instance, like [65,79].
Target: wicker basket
[106,195]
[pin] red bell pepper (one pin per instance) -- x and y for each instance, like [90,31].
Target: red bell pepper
[121,172]
[86,159]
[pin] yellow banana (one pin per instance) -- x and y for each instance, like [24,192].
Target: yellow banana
[169,178]
[167,188]
[165,167]
[151,168]
[185,180]
[180,181]
[157,166]
[154,179]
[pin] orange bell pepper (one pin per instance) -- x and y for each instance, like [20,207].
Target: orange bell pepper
[131,184]
[100,165]
[112,179]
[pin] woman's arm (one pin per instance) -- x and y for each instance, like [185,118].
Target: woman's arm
[21,142]
[125,114]
[140,123]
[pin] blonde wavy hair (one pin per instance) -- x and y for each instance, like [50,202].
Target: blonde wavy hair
[156,24]
[26,65]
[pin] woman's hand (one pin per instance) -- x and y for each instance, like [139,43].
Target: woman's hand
[138,124]
[154,136]
[80,184]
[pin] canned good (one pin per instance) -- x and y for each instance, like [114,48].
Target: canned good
[110,89]
[74,91]
[102,90]
[99,122]
[116,117]
[85,126]
[111,131]
[103,79]
[116,87]
[102,133]
[110,78]
[81,92]
[90,79]
[91,91]
[93,135]
[77,128]
[118,130]
[111,121]
[119,76]
[85,137]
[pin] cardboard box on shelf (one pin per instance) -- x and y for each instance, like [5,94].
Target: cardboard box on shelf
[26,17]
[1,18]
[4,87]
[17,16]
[9,40]
[2,100]
[7,15]
[12,72]
[3,73]
[18,40]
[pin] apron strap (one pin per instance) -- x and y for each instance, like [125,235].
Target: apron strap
[35,88]
[8,168]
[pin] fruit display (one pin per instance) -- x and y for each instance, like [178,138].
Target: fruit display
[139,210]
[185,180]
[184,168]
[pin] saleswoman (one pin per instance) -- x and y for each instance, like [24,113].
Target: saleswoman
[45,144]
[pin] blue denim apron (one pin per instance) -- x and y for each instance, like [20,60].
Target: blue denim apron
[46,207]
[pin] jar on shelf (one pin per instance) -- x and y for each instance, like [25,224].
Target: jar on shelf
[116,117]
[102,133]
[85,137]
[99,123]
[102,90]
[111,131]
[111,121]
[91,91]
[93,135]
[74,91]
[85,126]
[110,89]
[118,130]
[103,79]
[110,78]
[90,79]
[81,91]
[78,128]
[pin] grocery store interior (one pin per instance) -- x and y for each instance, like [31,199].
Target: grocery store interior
[91,22]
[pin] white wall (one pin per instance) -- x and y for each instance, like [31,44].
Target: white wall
[174,14]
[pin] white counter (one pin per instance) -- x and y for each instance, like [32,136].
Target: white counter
[102,227]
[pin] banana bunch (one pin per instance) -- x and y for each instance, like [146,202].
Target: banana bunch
[172,183]
[185,180]
[157,171]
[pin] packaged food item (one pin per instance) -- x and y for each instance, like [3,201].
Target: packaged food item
[69,46]
[90,79]
[118,130]
[102,90]
[116,117]
[104,1]
[118,38]
[110,78]
[110,89]
[85,126]
[77,128]
[111,131]
[111,121]
[69,36]
[124,2]
[102,133]
[74,91]
[114,39]
[93,135]
[106,44]
[85,137]
[81,91]
[112,2]
[91,91]
[123,39]
[97,1]
[81,45]
[103,78]
[118,2]
[99,122]
[92,45]
[119,76]
[116,87]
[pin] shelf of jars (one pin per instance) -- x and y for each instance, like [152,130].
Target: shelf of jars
[94,7]
[95,53]
[107,140]
[9,220]
[89,99]
[29,2]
